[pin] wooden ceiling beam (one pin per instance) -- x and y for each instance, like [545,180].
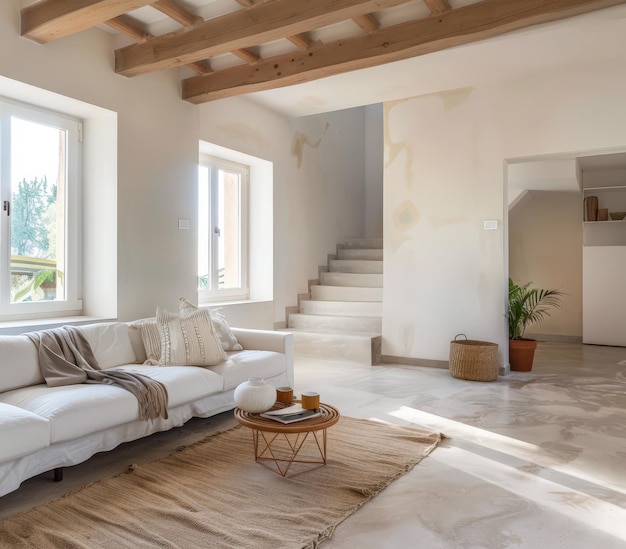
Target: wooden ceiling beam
[437,6]
[177,12]
[129,27]
[456,27]
[51,19]
[366,22]
[261,23]
[246,55]
[201,67]
[300,41]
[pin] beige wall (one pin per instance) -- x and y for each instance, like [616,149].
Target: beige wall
[445,157]
[545,248]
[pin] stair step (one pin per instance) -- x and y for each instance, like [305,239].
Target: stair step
[345,293]
[331,323]
[342,308]
[362,348]
[362,243]
[355,266]
[352,279]
[360,253]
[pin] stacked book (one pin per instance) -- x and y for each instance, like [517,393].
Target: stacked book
[291,414]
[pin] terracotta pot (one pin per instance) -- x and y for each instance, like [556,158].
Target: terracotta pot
[521,354]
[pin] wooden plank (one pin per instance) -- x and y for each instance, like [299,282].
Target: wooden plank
[264,22]
[301,41]
[51,19]
[366,22]
[201,67]
[177,12]
[437,6]
[129,27]
[246,55]
[456,27]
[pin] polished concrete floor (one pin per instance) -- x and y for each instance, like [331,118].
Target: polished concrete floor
[534,460]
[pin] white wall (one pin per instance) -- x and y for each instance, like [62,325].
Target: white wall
[318,187]
[444,175]
[374,117]
[545,248]
[318,182]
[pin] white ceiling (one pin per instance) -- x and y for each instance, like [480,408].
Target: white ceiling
[586,39]
[591,38]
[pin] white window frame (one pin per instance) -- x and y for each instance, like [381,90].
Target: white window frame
[213,293]
[72,304]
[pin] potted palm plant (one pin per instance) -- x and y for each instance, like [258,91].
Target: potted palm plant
[527,306]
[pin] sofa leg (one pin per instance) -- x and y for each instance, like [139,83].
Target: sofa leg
[58,474]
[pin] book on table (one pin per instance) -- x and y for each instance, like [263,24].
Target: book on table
[291,414]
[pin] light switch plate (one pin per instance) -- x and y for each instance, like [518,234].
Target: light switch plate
[490,224]
[183,223]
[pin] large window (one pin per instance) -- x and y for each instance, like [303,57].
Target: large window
[222,230]
[39,229]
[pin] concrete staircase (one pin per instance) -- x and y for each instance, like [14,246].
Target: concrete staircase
[341,317]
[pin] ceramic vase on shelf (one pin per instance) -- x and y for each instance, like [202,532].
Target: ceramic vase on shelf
[255,395]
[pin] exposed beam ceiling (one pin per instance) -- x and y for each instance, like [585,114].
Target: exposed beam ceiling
[247,29]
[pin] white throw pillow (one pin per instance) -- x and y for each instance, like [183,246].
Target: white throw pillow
[136,339]
[222,329]
[188,339]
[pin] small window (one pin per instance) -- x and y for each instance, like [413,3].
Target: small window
[39,229]
[222,230]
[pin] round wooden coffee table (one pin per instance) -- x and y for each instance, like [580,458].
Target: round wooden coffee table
[278,446]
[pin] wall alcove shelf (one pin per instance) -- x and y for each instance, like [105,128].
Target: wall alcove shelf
[604,260]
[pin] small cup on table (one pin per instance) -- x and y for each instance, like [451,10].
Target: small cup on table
[284,395]
[310,400]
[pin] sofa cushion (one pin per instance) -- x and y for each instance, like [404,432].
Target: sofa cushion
[19,365]
[188,339]
[76,410]
[242,365]
[110,343]
[183,384]
[136,341]
[22,432]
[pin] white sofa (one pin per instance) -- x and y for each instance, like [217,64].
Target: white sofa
[46,428]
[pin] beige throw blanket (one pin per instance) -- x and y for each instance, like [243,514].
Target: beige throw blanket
[66,358]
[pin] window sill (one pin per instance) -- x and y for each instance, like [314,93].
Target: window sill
[15,327]
[214,304]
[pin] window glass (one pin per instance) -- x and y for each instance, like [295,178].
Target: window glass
[37,216]
[222,230]
[40,224]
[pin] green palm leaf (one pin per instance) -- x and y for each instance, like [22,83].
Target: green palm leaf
[529,306]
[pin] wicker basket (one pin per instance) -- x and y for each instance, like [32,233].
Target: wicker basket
[473,360]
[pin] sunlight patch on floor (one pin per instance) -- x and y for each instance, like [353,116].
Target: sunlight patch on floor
[494,442]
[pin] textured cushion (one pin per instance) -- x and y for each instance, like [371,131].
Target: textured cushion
[21,432]
[19,365]
[110,343]
[151,341]
[188,339]
[245,364]
[222,329]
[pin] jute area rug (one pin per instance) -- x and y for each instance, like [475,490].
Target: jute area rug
[214,495]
